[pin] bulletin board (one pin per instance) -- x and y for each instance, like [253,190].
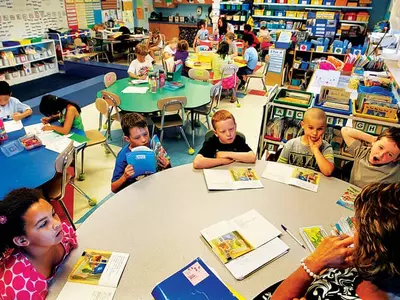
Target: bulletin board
[275,68]
[23,18]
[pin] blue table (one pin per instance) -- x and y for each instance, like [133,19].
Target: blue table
[28,169]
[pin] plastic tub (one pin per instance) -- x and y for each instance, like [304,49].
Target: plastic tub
[12,148]
[30,142]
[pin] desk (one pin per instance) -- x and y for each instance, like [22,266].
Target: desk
[112,41]
[196,92]
[158,221]
[204,65]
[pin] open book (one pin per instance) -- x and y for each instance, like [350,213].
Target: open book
[232,179]
[194,281]
[95,276]
[245,243]
[303,178]
[348,197]
[313,236]
[144,159]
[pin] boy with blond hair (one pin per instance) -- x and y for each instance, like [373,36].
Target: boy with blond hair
[141,66]
[310,150]
[378,162]
[224,147]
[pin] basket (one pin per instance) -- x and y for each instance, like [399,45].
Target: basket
[283,92]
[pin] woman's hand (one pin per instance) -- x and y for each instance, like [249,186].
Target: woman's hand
[333,252]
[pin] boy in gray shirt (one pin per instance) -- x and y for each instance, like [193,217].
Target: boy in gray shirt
[376,163]
[310,150]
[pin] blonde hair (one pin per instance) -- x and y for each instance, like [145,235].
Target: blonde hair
[174,40]
[230,35]
[221,115]
[141,49]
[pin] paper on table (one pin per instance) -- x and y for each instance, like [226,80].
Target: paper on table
[135,90]
[12,125]
[78,291]
[139,81]
[34,129]
[59,145]
[277,172]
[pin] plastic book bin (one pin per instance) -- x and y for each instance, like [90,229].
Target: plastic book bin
[282,92]
[332,110]
[12,148]
[366,116]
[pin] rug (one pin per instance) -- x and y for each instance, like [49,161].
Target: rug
[257,92]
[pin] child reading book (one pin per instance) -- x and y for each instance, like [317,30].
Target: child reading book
[11,107]
[378,162]
[66,112]
[310,150]
[33,244]
[224,147]
[136,133]
[141,66]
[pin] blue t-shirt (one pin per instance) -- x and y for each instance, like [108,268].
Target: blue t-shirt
[251,56]
[13,106]
[203,34]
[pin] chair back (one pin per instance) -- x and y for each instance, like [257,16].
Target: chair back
[210,133]
[272,92]
[171,103]
[202,48]
[111,98]
[102,106]
[266,64]
[78,42]
[199,74]
[109,79]
[63,161]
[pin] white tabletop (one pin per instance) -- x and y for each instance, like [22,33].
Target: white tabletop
[158,221]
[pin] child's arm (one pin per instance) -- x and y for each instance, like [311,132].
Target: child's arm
[134,76]
[195,40]
[240,60]
[325,166]
[19,116]
[244,157]
[128,173]
[67,125]
[46,120]
[350,135]
[201,162]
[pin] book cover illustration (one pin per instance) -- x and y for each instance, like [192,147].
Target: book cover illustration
[313,236]
[243,174]
[306,175]
[230,246]
[90,267]
[345,225]
[347,199]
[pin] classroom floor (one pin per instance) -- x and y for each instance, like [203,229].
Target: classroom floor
[99,165]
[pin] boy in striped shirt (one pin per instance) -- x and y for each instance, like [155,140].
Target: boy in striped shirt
[310,150]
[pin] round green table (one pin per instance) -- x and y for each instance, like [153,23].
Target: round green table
[196,92]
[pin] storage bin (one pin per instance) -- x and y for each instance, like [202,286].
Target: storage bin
[301,14]
[294,98]
[363,16]
[5,62]
[350,16]
[22,73]
[35,69]
[258,12]
[174,76]
[316,2]
[279,13]
[36,39]
[245,7]
[293,2]
[291,13]
[14,74]
[332,110]
[10,43]
[341,2]
[281,1]
[270,1]
[305,2]
[329,2]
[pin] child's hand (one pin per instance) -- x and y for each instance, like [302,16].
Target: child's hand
[314,145]
[45,120]
[143,77]
[47,127]
[223,154]
[163,162]
[129,171]
[226,161]
[17,116]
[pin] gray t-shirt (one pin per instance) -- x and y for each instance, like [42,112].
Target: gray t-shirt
[232,48]
[297,154]
[364,173]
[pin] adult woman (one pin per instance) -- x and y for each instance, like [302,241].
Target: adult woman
[224,27]
[370,269]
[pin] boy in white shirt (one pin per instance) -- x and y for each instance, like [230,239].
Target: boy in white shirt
[170,49]
[140,67]
[10,107]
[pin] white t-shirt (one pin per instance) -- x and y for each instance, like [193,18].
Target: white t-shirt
[169,50]
[141,68]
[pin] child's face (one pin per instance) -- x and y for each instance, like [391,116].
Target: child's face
[228,40]
[383,151]
[314,128]
[141,58]
[4,99]
[138,137]
[173,46]
[226,131]
[42,225]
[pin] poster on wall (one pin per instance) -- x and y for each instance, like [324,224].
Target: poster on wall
[109,14]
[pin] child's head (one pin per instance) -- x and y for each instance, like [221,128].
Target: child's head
[28,220]
[155,32]
[247,28]
[173,43]
[183,45]
[230,37]
[223,49]
[134,127]
[224,126]
[201,24]
[263,28]
[314,124]
[141,52]
[51,105]
[248,40]
[386,148]
[5,93]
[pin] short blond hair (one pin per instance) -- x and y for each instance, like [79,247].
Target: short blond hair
[221,115]
[230,35]
[141,49]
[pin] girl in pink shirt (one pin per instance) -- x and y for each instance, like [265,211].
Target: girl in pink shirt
[33,245]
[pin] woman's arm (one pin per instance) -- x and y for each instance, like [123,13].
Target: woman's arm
[67,125]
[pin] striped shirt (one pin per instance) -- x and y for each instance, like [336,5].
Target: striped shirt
[297,154]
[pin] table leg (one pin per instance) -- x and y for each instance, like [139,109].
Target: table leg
[192,122]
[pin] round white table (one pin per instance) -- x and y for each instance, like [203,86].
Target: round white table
[158,221]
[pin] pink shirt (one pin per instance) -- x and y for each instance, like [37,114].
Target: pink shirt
[19,279]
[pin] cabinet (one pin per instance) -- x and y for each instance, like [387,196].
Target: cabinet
[164,4]
[169,30]
[153,26]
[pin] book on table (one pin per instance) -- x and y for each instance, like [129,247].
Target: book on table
[245,243]
[232,179]
[304,178]
[348,197]
[194,281]
[144,159]
[95,276]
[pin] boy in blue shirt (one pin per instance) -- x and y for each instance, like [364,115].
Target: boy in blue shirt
[250,58]
[136,133]
[10,107]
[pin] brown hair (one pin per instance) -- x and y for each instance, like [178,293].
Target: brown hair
[131,120]
[221,115]
[230,35]
[155,31]
[377,215]
[392,134]
[183,45]
[141,49]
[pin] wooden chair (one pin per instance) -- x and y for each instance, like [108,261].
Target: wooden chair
[113,101]
[259,75]
[109,79]
[175,119]
[97,46]
[54,190]
[199,74]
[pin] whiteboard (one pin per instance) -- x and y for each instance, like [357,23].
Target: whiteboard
[23,18]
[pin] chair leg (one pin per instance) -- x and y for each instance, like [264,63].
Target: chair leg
[153,130]
[100,121]
[263,82]
[184,136]
[82,173]
[109,149]
[91,201]
[67,214]
[161,135]
[247,84]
